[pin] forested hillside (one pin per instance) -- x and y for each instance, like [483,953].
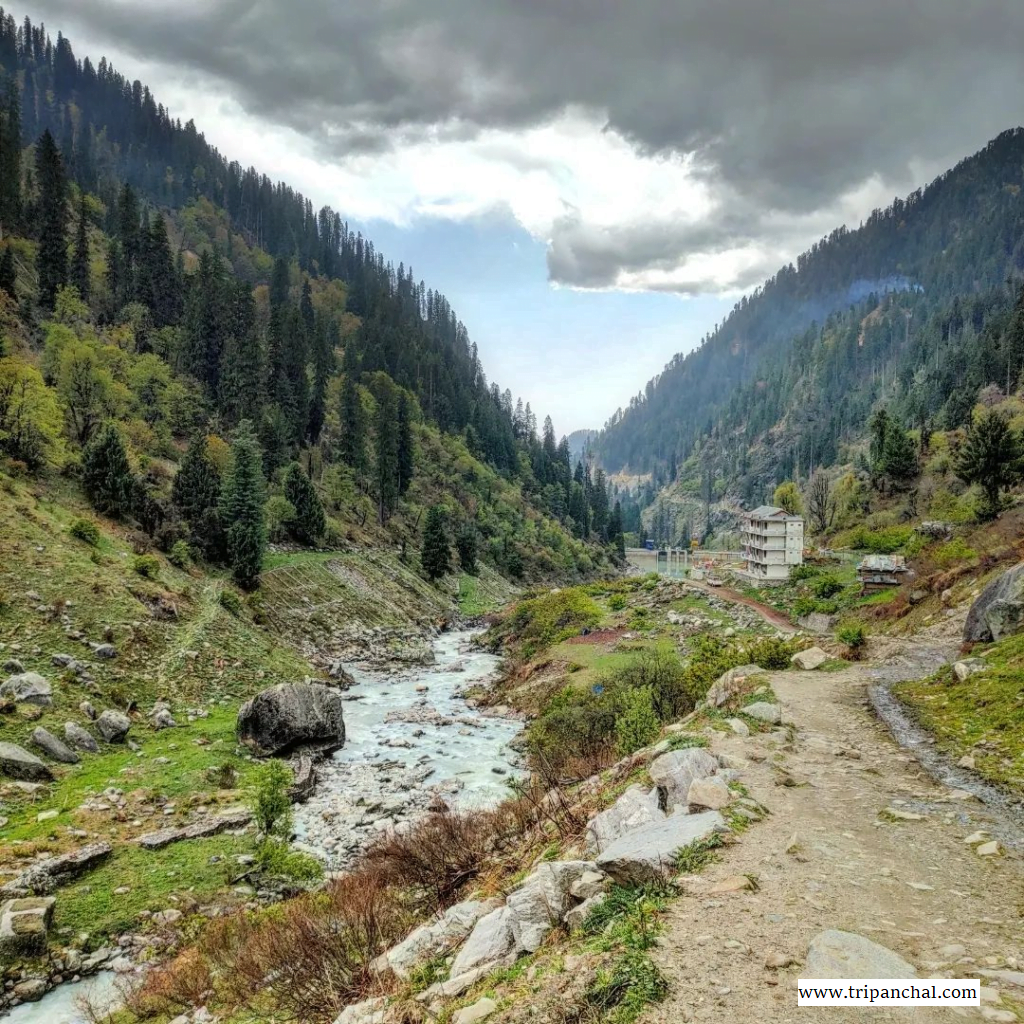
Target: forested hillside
[220,364]
[916,310]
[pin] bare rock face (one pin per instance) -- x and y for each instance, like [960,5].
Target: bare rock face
[17,763]
[24,924]
[836,954]
[999,610]
[293,717]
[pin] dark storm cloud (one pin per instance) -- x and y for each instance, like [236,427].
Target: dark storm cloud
[787,104]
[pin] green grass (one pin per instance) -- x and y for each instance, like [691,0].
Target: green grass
[697,855]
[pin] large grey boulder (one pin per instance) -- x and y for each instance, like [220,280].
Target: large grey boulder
[24,924]
[729,684]
[648,853]
[436,937]
[999,610]
[492,938]
[369,1011]
[836,954]
[817,622]
[28,688]
[78,738]
[293,716]
[53,747]
[764,712]
[634,808]
[812,658]
[113,726]
[543,900]
[46,875]
[17,763]
[675,772]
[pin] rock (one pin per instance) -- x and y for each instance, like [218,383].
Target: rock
[105,651]
[588,885]
[710,794]
[836,954]
[480,1010]
[648,853]
[53,747]
[28,688]
[492,938]
[31,990]
[543,900]
[674,773]
[13,665]
[340,675]
[989,849]
[634,808]
[17,763]
[292,716]
[113,726]
[999,610]
[80,739]
[738,726]
[437,937]
[88,710]
[729,684]
[24,924]
[812,658]
[764,712]
[577,917]
[460,983]
[199,830]
[304,780]
[46,875]
[776,961]
[734,883]
[163,719]
[966,668]
[167,917]
[369,1011]
[967,761]
[817,622]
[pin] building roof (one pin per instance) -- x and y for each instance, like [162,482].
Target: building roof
[883,563]
[769,512]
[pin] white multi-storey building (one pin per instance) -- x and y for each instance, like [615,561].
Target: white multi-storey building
[773,542]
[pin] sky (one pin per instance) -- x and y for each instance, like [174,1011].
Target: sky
[591,183]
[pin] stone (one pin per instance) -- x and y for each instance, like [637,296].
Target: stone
[31,990]
[817,622]
[492,938]
[455,986]
[812,658]
[45,876]
[17,763]
[577,917]
[480,1010]
[369,1011]
[967,761]
[729,684]
[974,838]
[989,849]
[634,808]
[113,726]
[199,830]
[542,901]
[710,794]
[77,737]
[673,774]
[738,726]
[588,885]
[999,610]
[764,712]
[437,937]
[734,883]
[776,961]
[163,719]
[28,688]
[293,717]
[24,924]
[647,854]
[88,710]
[53,747]
[968,667]
[47,815]
[167,917]
[304,779]
[836,954]
[105,651]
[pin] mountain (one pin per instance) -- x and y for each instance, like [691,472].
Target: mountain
[579,444]
[913,310]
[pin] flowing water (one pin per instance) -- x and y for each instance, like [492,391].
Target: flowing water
[61,1006]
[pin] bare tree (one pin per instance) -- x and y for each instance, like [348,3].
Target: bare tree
[820,502]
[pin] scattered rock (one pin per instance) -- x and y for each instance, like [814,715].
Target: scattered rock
[163,719]
[542,901]
[634,808]
[53,747]
[200,830]
[455,986]
[31,990]
[113,726]
[734,883]
[579,914]
[967,761]
[817,622]
[369,1011]
[648,853]
[999,610]
[164,918]
[588,885]
[492,938]
[88,710]
[480,1010]
[974,838]
[764,712]
[24,924]
[45,876]
[14,666]
[710,794]
[812,658]
[776,961]
[989,849]
[17,763]
[80,739]
[836,954]
[105,651]
[739,727]
[28,688]
[729,684]
[674,773]
[293,716]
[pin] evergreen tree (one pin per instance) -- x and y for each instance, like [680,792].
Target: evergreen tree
[205,322]
[352,445]
[615,534]
[899,461]
[242,369]
[435,556]
[310,522]
[274,439]
[991,457]
[387,453]
[317,408]
[106,474]
[8,276]
[10,160]
[80,258]
[466,545]
[241,507]
[196,487]
[52,261]
[406,454]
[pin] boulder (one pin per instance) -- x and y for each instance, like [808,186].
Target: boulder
[729,683]
[999,610]
[369,1011]
[17,763]
[113,726]
[437,937]
[53,747]
[24,924]
[492,938]
[543,900]
[836,954]
[30,990]
[579,914]
[460,983]
[634,808]
[480,1010]
[12,665]
[966,668]
[817,622]
[106,651]
[28,688]
[812,658]
[674,773]
[162,719]
[293,717]
[738,726]
[208,826]
[647,854]
[764,712]
[708,794]
[78,738]
[46,875]
[588,885]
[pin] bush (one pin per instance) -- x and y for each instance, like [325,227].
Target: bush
[179,555]
[771,653]
[854,637]
[637,724]
[551,618]
[955,551]
[85,530]
[147,566]
[662,674]
[803,572]
[617,602]
[826,586]
[271,805]
[275,857]
[884,541]
[231,602]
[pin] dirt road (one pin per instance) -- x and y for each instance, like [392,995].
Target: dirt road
[910,884]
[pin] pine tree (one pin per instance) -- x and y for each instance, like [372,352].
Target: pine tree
[10,160]
[129,237]
[106,473]
[387,453]
[899,461]
[310,521]
[274,440]
[52,261]
[352,445]
[615,534]
[242,370]
[80,258]
[241,507]
[196,487]
[8,276]
[406,454]
[990,456]
[466,545]
[435,556]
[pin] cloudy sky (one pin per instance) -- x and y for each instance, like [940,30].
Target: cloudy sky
[592,183]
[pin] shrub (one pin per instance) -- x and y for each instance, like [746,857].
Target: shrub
[954,551]
[771,653]
[147,566]
[803,572]
[617,602]
[826,586]
[179,555]
[884,541]
[275,857]
[85,530]
[551,618]
[231,602]
[271,805]
[637,724]
[854,637]
[662,674]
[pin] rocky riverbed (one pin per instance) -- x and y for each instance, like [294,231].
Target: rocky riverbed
[413,741]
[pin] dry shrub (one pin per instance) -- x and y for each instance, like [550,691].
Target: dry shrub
[179,985]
